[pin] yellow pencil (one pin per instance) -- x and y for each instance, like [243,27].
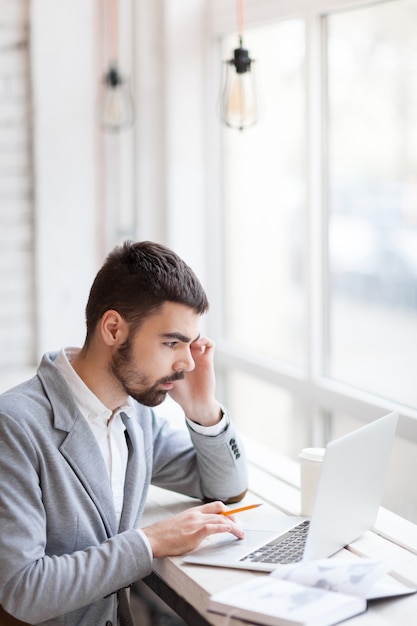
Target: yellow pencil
[243,508]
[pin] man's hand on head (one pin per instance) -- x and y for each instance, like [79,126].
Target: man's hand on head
[195,393]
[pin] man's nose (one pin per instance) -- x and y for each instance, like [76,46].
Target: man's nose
[186,362]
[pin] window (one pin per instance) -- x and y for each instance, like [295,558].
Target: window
[319,225]
[372,198]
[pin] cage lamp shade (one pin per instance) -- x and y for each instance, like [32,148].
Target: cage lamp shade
[239,107]
[117,107]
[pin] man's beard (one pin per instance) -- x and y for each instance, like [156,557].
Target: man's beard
[128,376]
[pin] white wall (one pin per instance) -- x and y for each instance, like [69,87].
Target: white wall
[65,84]
[16,190]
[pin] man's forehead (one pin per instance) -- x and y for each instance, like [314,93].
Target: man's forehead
[174,318]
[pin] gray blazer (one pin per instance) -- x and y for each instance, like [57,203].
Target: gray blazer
[62,558]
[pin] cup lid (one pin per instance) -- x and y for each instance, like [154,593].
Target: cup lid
[312,454]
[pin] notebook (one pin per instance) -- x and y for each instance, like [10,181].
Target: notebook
[346,505]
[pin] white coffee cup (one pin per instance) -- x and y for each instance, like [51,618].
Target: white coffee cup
[310,467]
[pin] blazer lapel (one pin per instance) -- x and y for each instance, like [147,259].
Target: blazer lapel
[80,447]
[81,451]
[134,479]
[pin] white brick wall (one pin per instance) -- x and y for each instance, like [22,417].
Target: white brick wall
[16,190]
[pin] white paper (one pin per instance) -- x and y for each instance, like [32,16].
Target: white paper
[268,600]
[353,578]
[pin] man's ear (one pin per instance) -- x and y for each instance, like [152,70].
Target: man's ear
[114,328]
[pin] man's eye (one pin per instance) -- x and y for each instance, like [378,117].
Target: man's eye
[171,344]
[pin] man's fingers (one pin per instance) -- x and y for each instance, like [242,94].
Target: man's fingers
[216,527]
[202,345]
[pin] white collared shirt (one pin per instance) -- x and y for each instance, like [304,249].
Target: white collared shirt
[107,426]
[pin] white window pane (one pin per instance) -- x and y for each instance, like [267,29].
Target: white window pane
[372,108]
[264,202]
[267,414]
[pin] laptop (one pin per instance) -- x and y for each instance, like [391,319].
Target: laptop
[346,505]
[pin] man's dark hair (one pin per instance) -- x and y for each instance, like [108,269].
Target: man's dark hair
[136,279]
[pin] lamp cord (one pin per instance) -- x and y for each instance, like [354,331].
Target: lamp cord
[240,20]
[112,25]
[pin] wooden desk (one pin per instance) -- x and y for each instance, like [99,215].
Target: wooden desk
[186,588]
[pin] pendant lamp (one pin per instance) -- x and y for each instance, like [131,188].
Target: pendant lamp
[239,106]
[116,104]
[117,110]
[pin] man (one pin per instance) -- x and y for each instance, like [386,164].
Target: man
[80,445]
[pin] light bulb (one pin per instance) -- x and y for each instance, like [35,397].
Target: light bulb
[239,107]
[117,110]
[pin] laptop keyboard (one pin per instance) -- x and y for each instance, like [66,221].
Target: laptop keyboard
[287,548]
